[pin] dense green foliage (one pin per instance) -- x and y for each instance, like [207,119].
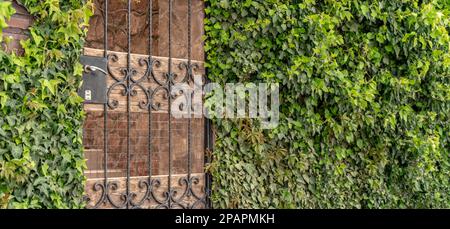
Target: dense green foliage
[365,103]
[41,152]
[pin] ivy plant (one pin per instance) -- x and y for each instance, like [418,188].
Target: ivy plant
[365,103]
[41,150]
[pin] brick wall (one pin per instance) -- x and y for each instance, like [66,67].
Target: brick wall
[139,144]
[117,28]
[17,29]
[142,136]
[148,132]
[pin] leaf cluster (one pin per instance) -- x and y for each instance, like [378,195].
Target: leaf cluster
[365,103]
[41,115]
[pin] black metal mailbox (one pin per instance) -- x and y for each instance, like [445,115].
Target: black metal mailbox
[93,89]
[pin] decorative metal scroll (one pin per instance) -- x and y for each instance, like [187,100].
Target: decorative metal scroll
[192,190]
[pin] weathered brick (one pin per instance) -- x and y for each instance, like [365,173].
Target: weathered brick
[17,29]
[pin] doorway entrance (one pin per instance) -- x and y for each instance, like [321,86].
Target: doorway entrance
[138,154]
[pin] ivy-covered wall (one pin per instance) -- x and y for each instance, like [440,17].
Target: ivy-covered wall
[41,151]
[365,98]
[365,103]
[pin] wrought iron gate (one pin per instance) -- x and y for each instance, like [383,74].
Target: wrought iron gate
[138,155]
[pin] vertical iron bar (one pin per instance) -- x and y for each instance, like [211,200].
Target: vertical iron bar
[150,99]
[105,29]
[105,106]
[129,75]
[209,144]
[189,107]
[208,148]
[169,107]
